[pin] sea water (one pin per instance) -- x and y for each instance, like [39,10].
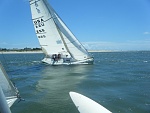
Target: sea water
[119,81]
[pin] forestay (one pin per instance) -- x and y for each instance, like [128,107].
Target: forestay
[54,36]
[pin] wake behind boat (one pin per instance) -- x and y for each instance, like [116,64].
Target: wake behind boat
[57,41]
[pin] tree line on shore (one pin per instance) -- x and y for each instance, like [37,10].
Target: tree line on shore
[20,50]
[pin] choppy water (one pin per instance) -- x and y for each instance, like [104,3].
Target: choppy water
[120,81]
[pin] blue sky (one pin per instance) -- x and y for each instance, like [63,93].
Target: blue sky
[98,24]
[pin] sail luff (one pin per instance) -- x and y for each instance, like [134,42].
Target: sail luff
[50,8]
[46,3]
[64,25]
[65,44]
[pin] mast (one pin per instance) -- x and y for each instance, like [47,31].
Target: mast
[61,36]
[75,48]
[64,41]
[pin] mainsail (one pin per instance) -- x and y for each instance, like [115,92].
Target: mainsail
[7,87]
[54,36]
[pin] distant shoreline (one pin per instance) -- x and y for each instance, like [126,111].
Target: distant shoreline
[91,51]
[100,51]
[28,52]
[19,52]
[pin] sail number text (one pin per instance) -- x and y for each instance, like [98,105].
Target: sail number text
[38,23]
[41,36]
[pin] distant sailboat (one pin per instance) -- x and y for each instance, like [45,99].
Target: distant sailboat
[56,40]
[7,88]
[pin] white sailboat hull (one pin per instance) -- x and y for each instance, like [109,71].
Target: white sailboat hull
[71,62]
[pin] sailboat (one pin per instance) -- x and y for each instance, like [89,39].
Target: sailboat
[56,40]
[7,88]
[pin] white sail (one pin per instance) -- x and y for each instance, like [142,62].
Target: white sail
[45,28]
[54,36]
[8,88]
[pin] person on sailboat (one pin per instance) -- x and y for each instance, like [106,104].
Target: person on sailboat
[54,57]
[59,56]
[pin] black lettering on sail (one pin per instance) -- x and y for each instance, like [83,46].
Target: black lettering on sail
[42,20]
[37,31]
[39,23]
[40,31]
[41,36]
[35,22]
[36,4]
[42,24]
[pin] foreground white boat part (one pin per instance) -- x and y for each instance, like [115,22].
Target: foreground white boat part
[4,108]
[56,40]
[10,91]
[11,100]
[87,105]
